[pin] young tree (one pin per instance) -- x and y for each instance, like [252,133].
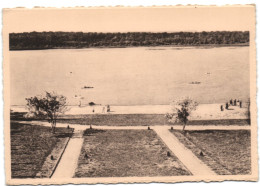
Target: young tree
[181,110]
[50,105]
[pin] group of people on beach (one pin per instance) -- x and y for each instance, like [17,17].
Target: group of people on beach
[231,102]
[105,109]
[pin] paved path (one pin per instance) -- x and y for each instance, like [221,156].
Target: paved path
[178,127]
[213,127]
[192,163]
[69,160]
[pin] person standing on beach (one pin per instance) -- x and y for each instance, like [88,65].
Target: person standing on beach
[231,102]
[227,105]
[235,102]
[221,108]
[240,104]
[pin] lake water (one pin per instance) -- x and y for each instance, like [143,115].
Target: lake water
[132,76]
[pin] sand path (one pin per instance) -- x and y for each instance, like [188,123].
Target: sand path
[69,160]
[203,111]
[177,127]
[190,161]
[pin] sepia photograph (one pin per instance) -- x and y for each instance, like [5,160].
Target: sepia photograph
[130,94]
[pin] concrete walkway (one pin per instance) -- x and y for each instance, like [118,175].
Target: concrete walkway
[69,160]
[178,127]
[192,163]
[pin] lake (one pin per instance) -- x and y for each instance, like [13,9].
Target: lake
[132,76]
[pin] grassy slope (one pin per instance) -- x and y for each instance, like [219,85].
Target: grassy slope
[30,145]
[225,151]
[118,153]
[140,119]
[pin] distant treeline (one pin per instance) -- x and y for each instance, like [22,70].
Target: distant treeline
[52,40]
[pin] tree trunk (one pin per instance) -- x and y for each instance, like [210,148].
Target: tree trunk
[53,126]
[184,125]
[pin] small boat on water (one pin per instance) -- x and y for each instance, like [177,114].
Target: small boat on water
[195,82]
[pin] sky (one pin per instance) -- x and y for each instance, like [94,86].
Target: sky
[129,19]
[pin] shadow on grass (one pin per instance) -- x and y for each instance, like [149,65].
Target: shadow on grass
[89,132]
[209,132]
[20,116]
[17,115]
[63,135]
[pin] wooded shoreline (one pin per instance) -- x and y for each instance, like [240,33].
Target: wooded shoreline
[80,40]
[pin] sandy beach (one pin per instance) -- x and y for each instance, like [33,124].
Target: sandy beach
[203,111]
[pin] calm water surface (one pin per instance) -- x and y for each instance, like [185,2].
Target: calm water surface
[132,76]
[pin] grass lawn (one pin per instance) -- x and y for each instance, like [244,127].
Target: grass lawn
[126,153]
[139,119]
[131,120]
[30,145]
[226,152]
